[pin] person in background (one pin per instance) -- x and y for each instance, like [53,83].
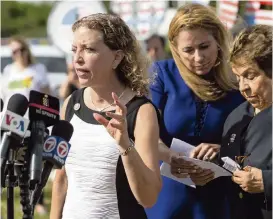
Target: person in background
[23,74]
[247,136]
[239,25]
[155,47]
[195,93]
[71,84]
[112,167]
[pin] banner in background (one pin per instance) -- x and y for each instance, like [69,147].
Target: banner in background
[227,12]
[62,17]
[143,17]
[255,15]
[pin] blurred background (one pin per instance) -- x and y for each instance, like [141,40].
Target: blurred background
[46,26]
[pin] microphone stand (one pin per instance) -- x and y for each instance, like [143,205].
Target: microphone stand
[10,184]
[24,191]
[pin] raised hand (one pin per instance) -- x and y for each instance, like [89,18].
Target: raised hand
[117,126]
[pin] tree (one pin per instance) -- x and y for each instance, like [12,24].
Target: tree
[26,19]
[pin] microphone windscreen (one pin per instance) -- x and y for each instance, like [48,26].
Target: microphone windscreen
[1,105]
[63,129]
[43,107]
[18,104]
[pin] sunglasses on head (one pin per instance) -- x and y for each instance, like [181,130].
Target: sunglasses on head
[14,52]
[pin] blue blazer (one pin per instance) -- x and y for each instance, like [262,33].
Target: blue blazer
[176,101]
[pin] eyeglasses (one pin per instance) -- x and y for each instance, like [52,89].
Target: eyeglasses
[14,52]
[240,159]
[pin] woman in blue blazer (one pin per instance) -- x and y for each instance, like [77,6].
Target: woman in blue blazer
[195,94]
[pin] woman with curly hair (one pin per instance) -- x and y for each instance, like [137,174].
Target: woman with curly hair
[247,136]
[112,168]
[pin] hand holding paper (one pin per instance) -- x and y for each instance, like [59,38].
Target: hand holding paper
[182,168]
[200,171]
[205,151]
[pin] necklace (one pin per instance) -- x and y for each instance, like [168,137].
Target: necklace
[101,110]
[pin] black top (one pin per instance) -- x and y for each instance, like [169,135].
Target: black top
[245,135]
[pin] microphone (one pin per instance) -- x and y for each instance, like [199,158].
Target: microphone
[43,112]
[55,151]
[14,124]
[12,119]
[20,156]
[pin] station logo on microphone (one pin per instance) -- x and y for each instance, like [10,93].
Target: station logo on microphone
[56,150]
[15,123]
[50,144]
[62,149]
[46,101]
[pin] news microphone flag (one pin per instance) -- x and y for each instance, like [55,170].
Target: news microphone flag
[14,126]
[56,150]
[43,107]
[15,123]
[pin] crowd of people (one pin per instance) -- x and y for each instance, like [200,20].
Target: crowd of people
[213,93]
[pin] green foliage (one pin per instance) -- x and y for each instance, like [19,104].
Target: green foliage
[24,18]
[107,5]
[18,213]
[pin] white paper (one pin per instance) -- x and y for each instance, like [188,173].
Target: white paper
[181,147]
[165,170]
[230,164]
[185,148]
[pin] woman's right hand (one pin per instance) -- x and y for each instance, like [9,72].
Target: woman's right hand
[205,151]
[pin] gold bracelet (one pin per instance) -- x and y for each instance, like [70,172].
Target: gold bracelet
[128,149]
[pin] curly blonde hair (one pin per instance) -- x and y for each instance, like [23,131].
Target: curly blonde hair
[194,16]
[133,69]
[253,45]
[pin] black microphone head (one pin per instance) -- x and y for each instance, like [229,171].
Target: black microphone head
[43,107]
[1,105]
[63,129]
[18,104]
